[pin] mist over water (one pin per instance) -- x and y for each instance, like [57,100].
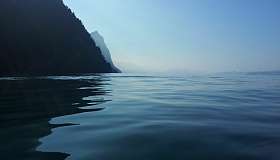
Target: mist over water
[126,116]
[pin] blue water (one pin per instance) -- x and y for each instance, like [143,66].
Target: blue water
[131,117]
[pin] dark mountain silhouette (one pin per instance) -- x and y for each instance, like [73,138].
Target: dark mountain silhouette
[100,42]
[43,37]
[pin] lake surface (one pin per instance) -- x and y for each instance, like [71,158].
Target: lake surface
[132,117]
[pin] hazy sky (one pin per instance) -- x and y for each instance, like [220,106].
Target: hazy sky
[186,35]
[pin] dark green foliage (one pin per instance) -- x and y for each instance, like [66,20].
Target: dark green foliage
[43,37]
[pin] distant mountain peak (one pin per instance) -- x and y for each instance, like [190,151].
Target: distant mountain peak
[100,42]
[97,34]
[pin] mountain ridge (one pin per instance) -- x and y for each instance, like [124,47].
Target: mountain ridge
[100,42]
[40,37]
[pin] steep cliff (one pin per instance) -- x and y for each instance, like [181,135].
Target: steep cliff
[43,37]
[100,42]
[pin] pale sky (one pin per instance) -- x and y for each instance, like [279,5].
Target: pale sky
[186,35]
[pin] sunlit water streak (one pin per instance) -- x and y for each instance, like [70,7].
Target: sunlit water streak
[122,116]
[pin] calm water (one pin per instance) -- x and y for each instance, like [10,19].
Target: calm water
[128,117]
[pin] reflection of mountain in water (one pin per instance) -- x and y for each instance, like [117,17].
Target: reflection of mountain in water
[27,106]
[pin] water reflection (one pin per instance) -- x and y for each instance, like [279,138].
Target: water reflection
[27,106]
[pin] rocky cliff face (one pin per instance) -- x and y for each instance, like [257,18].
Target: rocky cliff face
[43,37]
[100,42]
